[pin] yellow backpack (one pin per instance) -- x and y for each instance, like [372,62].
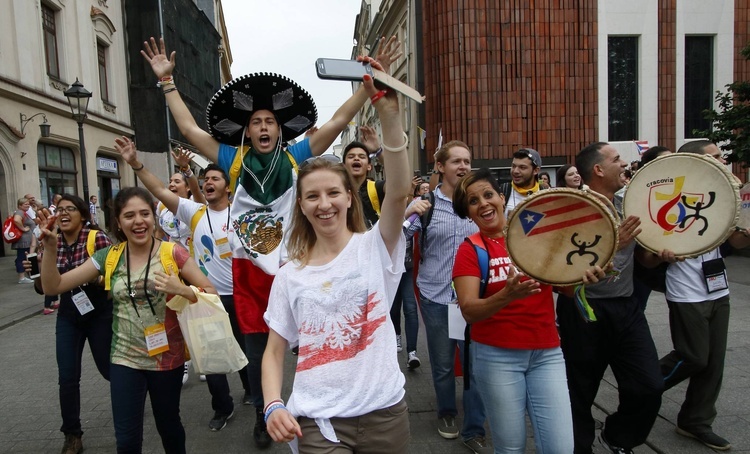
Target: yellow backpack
[91,242]
[236,167]
[166,255]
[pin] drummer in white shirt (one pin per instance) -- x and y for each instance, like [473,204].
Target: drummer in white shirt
[698,299]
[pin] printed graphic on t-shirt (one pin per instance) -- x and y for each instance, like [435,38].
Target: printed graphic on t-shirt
[338,321]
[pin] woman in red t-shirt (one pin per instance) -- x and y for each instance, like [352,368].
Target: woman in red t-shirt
[515,350]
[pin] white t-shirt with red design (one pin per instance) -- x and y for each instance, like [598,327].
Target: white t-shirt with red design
[338,314]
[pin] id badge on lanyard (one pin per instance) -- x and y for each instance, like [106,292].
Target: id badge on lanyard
[715,275]
[156,339]
[82,302]
[222,246]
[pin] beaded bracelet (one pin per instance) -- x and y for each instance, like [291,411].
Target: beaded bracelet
[271,409]
[169,80]
[399,149]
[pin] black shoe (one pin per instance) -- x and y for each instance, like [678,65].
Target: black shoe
[260,433]
[709,439]
[612,448]
[219,421]
[247,400]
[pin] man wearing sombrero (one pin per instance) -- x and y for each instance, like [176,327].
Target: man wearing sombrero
[249,119]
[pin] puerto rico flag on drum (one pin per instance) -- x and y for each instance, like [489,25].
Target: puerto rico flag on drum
[538,218]
[674,210]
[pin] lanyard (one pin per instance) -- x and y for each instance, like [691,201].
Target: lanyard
[131,291]
[210,227]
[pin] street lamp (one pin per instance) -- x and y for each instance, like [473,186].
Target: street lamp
[78,98]
[43,127]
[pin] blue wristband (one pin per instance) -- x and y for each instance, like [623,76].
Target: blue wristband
[271,410]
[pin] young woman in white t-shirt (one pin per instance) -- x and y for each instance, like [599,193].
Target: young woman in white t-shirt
[333,301]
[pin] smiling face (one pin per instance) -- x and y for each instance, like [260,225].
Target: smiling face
[522,171]
[263,131]
[324,201]
[486,207]
[456,166]
[178,185]
[356,163]
[572,178]
[610,169]
[136,219]
[215,186]
[69,217]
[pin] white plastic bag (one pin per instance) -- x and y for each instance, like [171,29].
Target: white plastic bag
[208,334]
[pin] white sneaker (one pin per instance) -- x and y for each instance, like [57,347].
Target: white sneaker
[25,280]
[398,344]
[186,373]
[413,362]
[203,377]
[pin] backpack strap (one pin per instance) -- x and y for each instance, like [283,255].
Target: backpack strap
[424,220]
[236,168]
[166,255]
[110,263]
[372,194]
[483,259]
[91,242]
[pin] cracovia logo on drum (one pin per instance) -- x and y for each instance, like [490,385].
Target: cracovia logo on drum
[676,211]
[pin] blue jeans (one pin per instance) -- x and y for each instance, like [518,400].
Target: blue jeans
[442,351]
[71,333]
[218,386]
[255,345]
[513,382]
[128,388]
[405,295]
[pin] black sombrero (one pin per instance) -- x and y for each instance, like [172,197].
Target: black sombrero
[230,108]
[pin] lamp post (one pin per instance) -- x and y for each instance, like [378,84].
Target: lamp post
[78,98]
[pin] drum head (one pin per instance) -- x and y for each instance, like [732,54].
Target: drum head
[555,235]
[687,203]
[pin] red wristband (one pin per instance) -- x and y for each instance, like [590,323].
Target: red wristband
[376,97]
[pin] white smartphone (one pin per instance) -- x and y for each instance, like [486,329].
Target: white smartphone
[330,68]
[34,259]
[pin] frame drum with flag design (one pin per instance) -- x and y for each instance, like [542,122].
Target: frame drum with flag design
[555,235]
[688,203]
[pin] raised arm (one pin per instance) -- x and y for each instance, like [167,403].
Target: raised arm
[127,150]
[52,282]
[183,157]
[395,162]
[156,55]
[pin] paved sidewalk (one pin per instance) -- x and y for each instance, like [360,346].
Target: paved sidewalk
[30,421]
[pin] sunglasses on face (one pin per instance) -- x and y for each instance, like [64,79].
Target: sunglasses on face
[328,157]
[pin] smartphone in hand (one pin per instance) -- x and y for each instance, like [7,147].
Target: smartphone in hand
[331,68]
[34,259]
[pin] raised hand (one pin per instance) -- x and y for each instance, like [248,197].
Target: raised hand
[388,52]
[127,150]
[182,156]
[156,56]
[369,137]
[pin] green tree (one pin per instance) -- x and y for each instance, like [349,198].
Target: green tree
[731,122]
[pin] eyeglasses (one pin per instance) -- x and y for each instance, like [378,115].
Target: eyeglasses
[332,158]
[68,209]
